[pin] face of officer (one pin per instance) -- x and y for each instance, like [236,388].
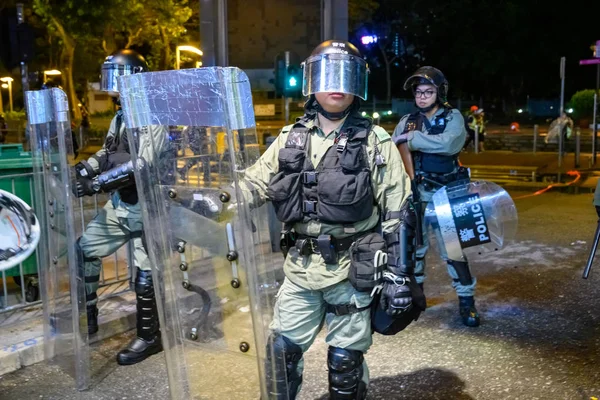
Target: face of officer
[334,102]
[425,95]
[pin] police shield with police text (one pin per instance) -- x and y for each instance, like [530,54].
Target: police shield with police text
[110,170]
[472,216]
[435,135]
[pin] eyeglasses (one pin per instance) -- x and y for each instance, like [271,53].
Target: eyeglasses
[424,94]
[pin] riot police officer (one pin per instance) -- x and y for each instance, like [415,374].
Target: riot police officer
[435,135]
[336,181]
[111,170]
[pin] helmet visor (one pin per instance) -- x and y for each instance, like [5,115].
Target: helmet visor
[341,73]
[110,73]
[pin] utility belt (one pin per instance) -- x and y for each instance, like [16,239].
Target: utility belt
[431,181]
[362,277]
[325,245]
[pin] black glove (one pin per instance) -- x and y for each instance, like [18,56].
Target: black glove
[598,211]
[396,296]
[85,187]
[84,169]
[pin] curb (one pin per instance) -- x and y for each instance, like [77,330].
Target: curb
[116,315]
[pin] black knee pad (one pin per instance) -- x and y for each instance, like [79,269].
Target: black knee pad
[463,272]
[143,283]
[283,356]
[345,374]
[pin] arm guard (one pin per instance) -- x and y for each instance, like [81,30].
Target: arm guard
[115,178]
[402,242]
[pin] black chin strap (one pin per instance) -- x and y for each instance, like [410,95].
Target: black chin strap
[333,116]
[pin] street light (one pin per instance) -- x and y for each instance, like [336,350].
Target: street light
[51,72]
[191,49]
[8,82]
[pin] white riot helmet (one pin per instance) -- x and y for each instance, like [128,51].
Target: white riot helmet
[335,66]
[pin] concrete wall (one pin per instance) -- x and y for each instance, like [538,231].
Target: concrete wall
[98,101]
[260,29]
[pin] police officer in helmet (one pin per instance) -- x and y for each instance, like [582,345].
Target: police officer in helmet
[110,170]
[339,186]
[435,135]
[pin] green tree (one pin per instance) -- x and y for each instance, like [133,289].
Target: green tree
[158,24]
[583,103]
[88,30]
[73,23]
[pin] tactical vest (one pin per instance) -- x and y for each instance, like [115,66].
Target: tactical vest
[117,147]
[428,162]
[338,191]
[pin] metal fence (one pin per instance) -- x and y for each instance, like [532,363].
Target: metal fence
[22,291]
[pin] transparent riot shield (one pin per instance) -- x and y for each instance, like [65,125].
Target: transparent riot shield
[214,271]
[61,280]
[472,216]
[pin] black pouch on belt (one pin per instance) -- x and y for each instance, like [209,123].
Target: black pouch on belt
[327,249]
[364,274]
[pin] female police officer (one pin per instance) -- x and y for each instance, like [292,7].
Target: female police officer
[435,134]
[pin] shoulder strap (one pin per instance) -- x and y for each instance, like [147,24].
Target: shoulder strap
[381,134]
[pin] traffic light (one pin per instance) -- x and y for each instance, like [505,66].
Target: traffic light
[293,81]
[288,75]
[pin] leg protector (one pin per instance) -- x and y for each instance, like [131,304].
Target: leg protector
[91,281]
[92,319]
[463,272]
[345,374]
[148,340]
[281,368]
[147,315]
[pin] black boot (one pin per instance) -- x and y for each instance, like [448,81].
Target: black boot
[468,312]
[147,341]
[92,317]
